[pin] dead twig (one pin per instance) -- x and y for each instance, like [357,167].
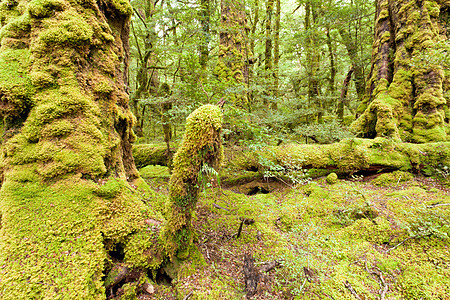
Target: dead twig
[220,207]
[188,296]
[399,244]
[438,204]
[245,221]
[350,288]
[384,286]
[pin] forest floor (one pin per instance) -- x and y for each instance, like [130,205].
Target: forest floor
[360,238]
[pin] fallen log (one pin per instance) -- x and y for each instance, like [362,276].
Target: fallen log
[347,157]
[150,154]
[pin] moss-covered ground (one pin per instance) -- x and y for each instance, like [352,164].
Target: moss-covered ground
[356,234]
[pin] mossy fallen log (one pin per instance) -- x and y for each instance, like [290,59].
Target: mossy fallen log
[348,156]
[150,154]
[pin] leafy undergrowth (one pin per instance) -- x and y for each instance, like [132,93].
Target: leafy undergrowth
[351,239]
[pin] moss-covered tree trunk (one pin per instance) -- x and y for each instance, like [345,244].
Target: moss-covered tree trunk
[232,67]
[69,195]
[313,59]
[406,92]
[200,152]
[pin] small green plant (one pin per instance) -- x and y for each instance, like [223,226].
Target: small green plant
[428,221]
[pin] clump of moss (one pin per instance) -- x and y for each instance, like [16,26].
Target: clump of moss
[332,178]
[391,179]
[201,148]
[45,8]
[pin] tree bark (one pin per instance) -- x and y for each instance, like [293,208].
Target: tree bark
[406,91]
[69,197]
[344,91]
[232,67]
[313,60]
[204,44]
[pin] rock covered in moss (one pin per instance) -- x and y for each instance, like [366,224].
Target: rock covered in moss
[332,178]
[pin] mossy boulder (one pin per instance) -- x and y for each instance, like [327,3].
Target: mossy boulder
[332,178]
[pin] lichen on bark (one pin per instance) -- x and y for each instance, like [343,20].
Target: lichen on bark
[405,95]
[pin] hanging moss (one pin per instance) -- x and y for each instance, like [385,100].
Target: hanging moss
[201,146]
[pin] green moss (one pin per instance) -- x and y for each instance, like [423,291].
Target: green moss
[332,178]
[16,28]
[122,6]
[70,27]
[150,154]
[201,146]
[110,188]
[45,8]
[392,179]
[377,230]
[103,87]
[155,172]
[15,86]
[41,79]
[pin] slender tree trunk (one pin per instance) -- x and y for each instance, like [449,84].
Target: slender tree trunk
[269,47]
[232,67]
[276,52]
[343,98]
[204,44]
[254,20]
[405,92]
[332,79]
[313,61]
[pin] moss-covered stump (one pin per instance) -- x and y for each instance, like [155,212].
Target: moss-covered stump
[200,150]
[407,91]
[66,202]
[348,156]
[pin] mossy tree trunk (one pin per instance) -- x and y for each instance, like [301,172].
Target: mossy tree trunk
[200,152]
[204,16]
[313,59]
[232,67]
[406,92]
[69,187]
